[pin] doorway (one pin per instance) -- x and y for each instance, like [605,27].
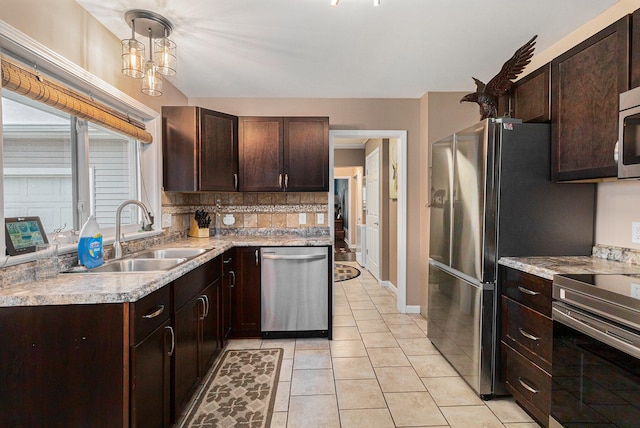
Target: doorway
[401,137]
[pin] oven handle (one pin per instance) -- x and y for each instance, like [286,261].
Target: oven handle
[609,334]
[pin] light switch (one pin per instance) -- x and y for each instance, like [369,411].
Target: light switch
[302,218]
[320,218]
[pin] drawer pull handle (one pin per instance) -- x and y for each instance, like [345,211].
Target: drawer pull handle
[528,335]
[526,386]
[527,291]
[155,313]
[227,261]
[233,275]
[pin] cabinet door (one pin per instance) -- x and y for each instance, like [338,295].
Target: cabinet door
[63,366]
[635,53]
[260,154]
[586,83]
[218,151]
[227,287]
[151,379]
[210,327]
[179,149]
[246,294]
[185,358]
[306,154]
[531,96]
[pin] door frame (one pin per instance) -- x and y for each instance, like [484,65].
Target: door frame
[401,286]
[347,237]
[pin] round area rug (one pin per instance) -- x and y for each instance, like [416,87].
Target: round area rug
[344,272]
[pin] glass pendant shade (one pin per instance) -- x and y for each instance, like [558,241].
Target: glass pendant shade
[165,56]
[151,82]
[132,58]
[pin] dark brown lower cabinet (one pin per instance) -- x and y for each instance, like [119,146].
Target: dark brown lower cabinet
[185,360]
[246,293]
[151,379]
[151,338]
[197,334]
[226,296]
[527,340]
[64,366]
[210,328]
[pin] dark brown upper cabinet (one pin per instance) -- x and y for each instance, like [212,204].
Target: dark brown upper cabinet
[635,49]
[284,154]
[199,150]
[530,96]
[586,82]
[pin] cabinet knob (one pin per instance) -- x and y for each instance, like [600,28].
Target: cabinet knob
[257,259]
[286,181]
[280,180]
[235,181]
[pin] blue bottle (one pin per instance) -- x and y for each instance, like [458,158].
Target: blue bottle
[90,252]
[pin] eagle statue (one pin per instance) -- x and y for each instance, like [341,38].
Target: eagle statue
[487,95]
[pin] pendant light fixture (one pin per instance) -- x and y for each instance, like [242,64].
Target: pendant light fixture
[132,55]
[162,59]
[151,82]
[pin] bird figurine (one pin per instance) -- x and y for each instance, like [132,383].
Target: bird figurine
[487,95]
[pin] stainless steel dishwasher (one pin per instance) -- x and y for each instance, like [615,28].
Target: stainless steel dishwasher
[295,291]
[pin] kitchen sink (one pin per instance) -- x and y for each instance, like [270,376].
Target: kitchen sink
[170,253]
[138,265]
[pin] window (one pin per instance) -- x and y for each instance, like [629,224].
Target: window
[37,163]
[113,175]
[45,167]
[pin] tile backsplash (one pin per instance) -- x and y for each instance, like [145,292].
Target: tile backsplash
[253,213]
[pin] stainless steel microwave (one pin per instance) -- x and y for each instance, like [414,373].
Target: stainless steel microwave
[629,134]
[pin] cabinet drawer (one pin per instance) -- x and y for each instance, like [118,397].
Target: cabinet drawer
[530,290]
[529,384]
[192,283]
[149,313]
[528,332]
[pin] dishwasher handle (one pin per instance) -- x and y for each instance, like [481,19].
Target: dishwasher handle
[294,257]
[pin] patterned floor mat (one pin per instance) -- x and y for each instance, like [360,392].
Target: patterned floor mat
[344,272]
[241,392]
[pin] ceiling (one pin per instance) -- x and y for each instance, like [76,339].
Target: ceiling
[310,49]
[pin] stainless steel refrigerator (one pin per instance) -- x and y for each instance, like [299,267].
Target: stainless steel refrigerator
[491,196]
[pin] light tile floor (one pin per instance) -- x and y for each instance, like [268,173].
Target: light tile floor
[380,370]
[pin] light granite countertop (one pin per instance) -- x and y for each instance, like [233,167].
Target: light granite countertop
[81,288]
[546,266]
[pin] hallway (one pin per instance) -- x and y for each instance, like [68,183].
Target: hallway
[380,370]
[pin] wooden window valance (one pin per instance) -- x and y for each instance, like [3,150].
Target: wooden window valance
[35,86]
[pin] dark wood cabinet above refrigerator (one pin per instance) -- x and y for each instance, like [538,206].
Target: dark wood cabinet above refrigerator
[199,150]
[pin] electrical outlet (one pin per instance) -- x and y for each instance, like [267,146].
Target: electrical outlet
[166,220]
[302,218]
[635,232]
[320,218]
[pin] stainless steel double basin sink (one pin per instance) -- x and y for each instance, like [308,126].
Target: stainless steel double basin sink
[150,260]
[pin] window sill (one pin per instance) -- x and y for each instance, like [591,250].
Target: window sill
[72,248]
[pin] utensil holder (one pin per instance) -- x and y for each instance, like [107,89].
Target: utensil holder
[197,232]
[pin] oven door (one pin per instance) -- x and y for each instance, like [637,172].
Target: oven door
[595,371]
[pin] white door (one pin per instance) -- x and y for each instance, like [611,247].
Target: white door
[372,166]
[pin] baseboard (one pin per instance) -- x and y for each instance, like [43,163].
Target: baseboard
[390,286]
[412,309]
